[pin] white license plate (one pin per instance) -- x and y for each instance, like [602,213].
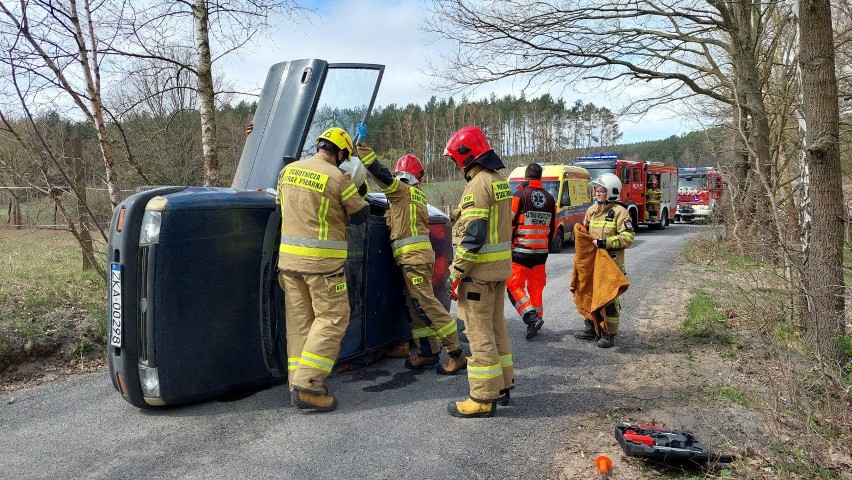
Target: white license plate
[115,309]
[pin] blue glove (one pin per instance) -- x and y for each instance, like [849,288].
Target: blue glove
[362,132]
[600,243]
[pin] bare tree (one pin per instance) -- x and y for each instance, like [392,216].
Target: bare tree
[674,50]
[159,32]
[47,42]
[52,59]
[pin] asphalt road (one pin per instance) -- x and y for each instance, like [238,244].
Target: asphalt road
[391,422]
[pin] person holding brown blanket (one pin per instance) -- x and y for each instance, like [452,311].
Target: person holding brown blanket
[598,277]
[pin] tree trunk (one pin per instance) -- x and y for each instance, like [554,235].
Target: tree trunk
[743,204]
[822,216]
[82,202]
[206,94]
[92,75]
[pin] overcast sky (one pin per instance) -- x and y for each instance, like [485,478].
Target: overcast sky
[387,32]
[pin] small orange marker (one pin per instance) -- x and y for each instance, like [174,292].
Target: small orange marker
[604,465]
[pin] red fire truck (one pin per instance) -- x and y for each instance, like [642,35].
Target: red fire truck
[636,176]
[699,190]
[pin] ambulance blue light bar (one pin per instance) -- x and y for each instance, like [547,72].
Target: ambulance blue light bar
[600,156]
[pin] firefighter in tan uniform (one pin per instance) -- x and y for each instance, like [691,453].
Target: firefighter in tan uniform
[316,201]
[408,219]
[608,222]
[653,198]
[481,265]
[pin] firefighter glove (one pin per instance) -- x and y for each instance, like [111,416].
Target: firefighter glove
[361,134]
[600,243]
[365,153]
[453,287]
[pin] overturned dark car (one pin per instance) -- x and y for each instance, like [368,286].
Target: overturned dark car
[195,311]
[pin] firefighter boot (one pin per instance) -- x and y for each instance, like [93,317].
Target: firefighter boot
[588,333]
[606,341]
[534,323]
[456,363]
[470,408]
[419,361]
[321,402]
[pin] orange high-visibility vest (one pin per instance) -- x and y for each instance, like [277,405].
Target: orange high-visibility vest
[533,223]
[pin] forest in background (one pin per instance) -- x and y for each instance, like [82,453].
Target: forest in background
[165,148]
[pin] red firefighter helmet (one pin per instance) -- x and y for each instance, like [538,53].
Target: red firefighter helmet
[411,165]
[466,145]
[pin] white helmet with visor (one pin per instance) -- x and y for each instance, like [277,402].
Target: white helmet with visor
[611,183]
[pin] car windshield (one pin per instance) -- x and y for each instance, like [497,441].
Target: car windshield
[344,102]
[697,182]
[596,172]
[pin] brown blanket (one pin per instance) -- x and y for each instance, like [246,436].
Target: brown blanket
[595,279]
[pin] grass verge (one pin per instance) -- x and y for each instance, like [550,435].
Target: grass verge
[801,404]
[48,304]
[704,322]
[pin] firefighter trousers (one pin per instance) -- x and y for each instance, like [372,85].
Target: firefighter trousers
[317,313]
[525,287]
[652,211]
[490,365]
[612,311]
[431,324]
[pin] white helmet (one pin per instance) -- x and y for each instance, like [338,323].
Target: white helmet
[355,169]
[612,185]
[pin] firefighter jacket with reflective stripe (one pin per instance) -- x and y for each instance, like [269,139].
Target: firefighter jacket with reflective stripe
[654,195]
[316,199]
[533,223]
[482,233]
[407,217]
[610,221]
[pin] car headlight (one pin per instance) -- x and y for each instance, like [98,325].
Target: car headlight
[150,230]
[149,378]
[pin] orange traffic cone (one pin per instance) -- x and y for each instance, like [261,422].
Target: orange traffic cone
[604,465]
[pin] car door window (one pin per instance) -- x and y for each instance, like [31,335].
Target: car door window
[346,99]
